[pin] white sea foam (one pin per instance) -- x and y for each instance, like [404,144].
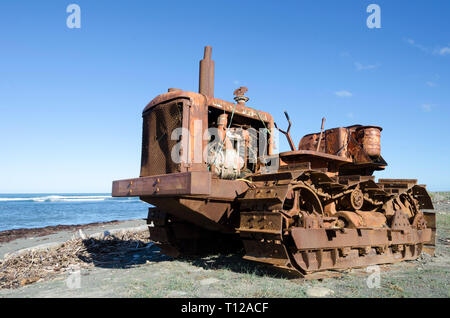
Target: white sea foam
[14,199]
[61,198]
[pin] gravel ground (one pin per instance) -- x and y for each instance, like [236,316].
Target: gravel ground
[147,273]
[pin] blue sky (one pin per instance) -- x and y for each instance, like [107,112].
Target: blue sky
[71,99]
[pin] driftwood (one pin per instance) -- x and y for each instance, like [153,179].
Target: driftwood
[34,265]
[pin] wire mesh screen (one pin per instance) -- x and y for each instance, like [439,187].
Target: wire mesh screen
[156,139]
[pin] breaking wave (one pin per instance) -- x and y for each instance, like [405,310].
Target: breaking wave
[63,198]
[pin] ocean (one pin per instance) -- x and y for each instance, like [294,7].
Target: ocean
[40,210]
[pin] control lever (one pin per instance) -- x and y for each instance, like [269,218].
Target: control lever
[321,133]
[286,133]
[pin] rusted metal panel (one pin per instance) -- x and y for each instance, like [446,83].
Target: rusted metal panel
[196,211]
[354,179]
[209,101]
[206,78]
[306,239]
[267,222]
[185,183]
[430,218]
[369,137]
[311,153]
[310,262]
[321,238]
[397,183]
[266,252]
[227,189]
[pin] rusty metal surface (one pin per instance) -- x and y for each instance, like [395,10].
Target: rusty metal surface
[212,102]
[206,78]
[322,209]
[332,238]
[306,239]
[186,183]
[314,155]
[369,137]
[157,143]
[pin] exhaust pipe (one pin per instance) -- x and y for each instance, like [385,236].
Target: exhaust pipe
[206,80]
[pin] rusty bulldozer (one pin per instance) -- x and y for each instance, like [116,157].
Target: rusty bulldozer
[209,170]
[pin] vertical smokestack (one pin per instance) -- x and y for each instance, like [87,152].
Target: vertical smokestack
[206,80]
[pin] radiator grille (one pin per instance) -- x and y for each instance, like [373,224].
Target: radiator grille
[156,143]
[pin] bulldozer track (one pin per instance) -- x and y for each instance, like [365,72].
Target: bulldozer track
[307,236]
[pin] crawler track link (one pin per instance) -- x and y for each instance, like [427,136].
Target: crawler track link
[310,224]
